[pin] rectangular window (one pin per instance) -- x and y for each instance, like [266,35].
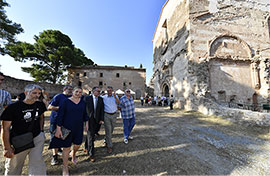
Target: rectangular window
[222,96]
[100,83]
[124,84]
[100,74]
[117,75]
[84,74]
[164,31]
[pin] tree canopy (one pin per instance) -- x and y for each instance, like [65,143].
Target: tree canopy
[8,29]
[51,54]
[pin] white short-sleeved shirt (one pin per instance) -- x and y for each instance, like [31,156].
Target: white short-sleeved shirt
[110,104]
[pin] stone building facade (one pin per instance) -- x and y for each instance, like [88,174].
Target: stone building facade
[118,77]
[209,53]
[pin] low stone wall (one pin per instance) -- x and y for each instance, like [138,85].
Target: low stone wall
[246,117]
[240,116]
[16,86]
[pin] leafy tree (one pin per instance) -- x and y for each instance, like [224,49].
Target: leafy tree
[8,29]
[51,54]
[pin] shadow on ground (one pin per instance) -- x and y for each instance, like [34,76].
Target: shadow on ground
[175,143]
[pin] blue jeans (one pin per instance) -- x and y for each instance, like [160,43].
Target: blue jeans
[128,125]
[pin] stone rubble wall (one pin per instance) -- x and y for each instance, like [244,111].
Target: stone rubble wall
[232,18]
[16,86]
[240,116]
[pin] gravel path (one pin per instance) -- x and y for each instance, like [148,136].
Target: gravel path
[175,143]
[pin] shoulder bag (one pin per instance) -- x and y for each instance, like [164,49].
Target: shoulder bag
[24,141]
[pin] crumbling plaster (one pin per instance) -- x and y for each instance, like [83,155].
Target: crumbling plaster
[234,32]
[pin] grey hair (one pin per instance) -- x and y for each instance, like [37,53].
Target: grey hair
[30,87]
[67,86]
[95,88]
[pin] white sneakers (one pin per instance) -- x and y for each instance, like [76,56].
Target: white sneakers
[130,137]
[126,140]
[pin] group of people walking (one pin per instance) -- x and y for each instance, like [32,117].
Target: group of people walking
[71,115]
[160,101]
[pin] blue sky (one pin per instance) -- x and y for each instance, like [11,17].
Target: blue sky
[110,32]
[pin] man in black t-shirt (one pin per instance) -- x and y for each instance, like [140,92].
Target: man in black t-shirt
[16,120]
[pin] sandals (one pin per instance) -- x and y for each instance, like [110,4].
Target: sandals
[65,171]
[73,159]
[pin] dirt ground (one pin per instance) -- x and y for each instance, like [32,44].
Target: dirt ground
[174,142]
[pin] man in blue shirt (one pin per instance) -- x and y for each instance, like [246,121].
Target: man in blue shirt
[54,106]
[110,113]
[128,114]
[5,97]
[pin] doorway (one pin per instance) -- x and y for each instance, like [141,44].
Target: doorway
[166,91]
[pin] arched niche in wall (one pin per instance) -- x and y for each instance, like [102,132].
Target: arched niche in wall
[229,46]
[230,70]
[165,90]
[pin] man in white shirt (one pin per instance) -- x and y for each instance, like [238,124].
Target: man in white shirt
[142,100]
[110,113]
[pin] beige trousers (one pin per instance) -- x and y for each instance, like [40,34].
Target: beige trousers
[109,124]
[36,165]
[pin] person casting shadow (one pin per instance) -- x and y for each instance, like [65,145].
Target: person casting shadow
[95,110]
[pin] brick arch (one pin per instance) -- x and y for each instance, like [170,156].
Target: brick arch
[229,46]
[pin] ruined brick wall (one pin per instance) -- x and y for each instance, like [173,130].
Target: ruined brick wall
[232,32]
[213,52]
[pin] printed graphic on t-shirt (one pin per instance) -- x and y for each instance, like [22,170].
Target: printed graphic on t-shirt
[36,116]
[28,115]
